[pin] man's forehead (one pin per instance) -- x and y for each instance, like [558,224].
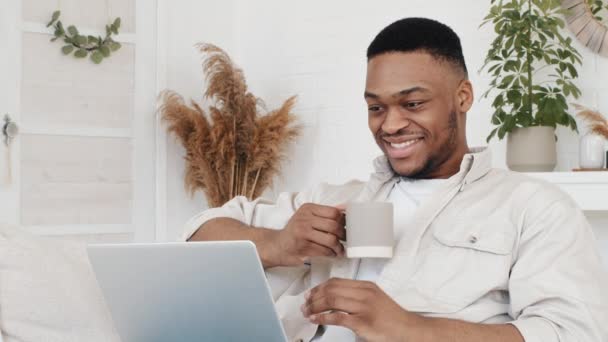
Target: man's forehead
[417,89]
[415,64]
[402,74]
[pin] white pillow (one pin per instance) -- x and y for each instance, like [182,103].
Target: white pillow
[48,291]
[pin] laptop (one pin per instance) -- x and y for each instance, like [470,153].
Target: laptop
[194,291]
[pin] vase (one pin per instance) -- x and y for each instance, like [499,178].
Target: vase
[531,149]
[591,151]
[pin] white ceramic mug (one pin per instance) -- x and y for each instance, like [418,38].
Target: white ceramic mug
[369,230]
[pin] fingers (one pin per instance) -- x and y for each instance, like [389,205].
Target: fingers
[330,226]
[332,295]
[314,250]
[336,318]
[327,212]
[333,303]
[334,284]
[326,240]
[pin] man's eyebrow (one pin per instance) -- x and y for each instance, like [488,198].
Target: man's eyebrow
[411,90]
[371,95]
[403,92]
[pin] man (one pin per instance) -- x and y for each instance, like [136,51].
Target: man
[481,254]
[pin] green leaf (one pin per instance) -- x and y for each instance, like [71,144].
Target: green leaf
[491,135]
[81,53]
[96,57]
[572,123]
[67,49]
[117,23]
[115,46]
[506,81]
[498,101]
[572,70]
[514,96]
[81,40]
[54,18]
[92,40]
[495,120]
[502,132]
[72,30]
[105,51]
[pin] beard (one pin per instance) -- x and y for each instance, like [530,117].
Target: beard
[439,156]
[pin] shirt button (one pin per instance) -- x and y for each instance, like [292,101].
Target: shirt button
[473,239]
[299,340]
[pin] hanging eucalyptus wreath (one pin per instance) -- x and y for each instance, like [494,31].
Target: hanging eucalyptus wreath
[82,46]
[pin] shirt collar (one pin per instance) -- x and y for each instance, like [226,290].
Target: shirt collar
[475,164]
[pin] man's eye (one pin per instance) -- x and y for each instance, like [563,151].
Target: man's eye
[374,108]
[412,105]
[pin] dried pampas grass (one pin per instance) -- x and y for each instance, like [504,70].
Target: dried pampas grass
[598,124]
[231,150]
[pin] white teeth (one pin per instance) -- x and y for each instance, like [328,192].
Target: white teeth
[404,144]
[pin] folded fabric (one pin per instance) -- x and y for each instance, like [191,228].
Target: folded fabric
[48,291]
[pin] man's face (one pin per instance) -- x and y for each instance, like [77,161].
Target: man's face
[416,111]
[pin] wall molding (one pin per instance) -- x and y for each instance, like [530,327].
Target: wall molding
[79,229]
[76,131]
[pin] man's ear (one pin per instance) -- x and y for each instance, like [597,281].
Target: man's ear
[465,96]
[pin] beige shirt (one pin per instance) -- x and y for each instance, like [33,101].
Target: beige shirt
[493,246]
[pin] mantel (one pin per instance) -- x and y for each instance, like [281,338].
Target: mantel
[588,189]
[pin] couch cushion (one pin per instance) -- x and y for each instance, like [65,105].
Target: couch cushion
[48,291]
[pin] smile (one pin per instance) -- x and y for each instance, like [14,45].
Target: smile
[404,144]
[402,149]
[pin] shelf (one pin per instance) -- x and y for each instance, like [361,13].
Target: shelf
[588,189]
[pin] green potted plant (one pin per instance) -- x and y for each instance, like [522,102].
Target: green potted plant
[532,68]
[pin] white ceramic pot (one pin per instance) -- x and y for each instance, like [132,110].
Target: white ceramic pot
[531,149]
[592,151]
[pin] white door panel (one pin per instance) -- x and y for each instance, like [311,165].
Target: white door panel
[9,105]
[81,164]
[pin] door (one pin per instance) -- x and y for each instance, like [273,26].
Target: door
[9,188]
[82,164]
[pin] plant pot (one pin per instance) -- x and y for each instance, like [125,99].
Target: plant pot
[531,149]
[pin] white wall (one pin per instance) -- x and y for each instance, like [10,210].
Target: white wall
[187,23]
[316,49]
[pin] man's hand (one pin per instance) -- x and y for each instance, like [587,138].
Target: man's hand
[370,313]
[360,306]
[314,230]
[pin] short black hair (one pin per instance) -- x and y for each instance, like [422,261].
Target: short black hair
[419,34]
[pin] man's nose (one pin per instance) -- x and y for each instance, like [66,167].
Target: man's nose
[394,121]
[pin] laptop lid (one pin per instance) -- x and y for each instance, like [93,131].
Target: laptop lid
[194,291]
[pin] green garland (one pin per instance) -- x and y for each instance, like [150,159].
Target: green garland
[98,47]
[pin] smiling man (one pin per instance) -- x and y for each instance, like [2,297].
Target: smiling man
[480,255]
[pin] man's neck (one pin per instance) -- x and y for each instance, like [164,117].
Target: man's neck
[449,167]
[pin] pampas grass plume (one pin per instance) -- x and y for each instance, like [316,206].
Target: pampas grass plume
[232,149]
[598,124]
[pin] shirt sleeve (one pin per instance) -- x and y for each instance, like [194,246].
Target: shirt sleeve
[258,213]
[266,214]
[557,285]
